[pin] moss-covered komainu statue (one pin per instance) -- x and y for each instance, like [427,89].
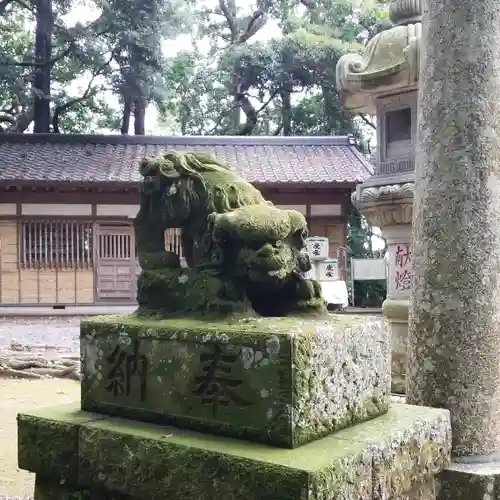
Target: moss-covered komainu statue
[244,254]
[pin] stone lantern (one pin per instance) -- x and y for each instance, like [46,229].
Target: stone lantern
[383,81]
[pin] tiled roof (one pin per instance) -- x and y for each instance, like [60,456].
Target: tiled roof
[114,158]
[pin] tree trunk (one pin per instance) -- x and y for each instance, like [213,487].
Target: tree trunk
[286,112]
[127,110]
[139,116]
[236,114]
[43,55]
[250,115]
[331,111]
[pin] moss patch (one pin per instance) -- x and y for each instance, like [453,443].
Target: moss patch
[49,489]
[148,461]
[57,426]
[239,246]
[269,380]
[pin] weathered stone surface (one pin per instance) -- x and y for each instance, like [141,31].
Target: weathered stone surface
[396,314]
[222,217]
[374,460]
[390,208]
[479,481]
[51,489]
[454,332]
[407,444]
[423,490]
[48,440]
[285,381]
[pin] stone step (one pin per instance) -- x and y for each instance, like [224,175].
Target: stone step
[395,456]
[284,381]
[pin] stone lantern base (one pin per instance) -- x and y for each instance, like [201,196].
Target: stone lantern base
[390,208]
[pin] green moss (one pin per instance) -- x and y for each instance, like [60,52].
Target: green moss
[371,460]
[262,222]
[252,378]
[246,256]
[138,463]
[60,428]
[233,326]
[159,260]
[165,292]
[50,489]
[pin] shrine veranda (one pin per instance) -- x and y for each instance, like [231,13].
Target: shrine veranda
[256,408]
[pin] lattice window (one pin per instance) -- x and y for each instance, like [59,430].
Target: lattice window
[173,242]
[115,244]
[56,244]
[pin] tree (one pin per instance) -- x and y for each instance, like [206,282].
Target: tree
[134,32]
[360,242]
[45,61]
[35,79]
[266,80]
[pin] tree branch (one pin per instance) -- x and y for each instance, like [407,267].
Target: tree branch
[231,21]
[266,104]
[367,121]
[7,118]
[18,123]
[35,64]
[87,94]
[279,128]
[256,23]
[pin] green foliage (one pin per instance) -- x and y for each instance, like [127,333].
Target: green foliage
[236,80]
[360,243]
[119,52]
[245,70]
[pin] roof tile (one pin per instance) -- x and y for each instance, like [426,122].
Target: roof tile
[102,159]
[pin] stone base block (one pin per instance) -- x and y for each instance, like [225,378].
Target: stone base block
[470,482]
[51,489]
[390,457]
[283,381]
[396,314]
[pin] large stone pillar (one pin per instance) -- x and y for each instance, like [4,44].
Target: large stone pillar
[390,209]
[454,334]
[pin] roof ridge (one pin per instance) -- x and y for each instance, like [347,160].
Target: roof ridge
[227,140]
[363,159]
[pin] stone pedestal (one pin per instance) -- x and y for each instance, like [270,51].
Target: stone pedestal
[463,481]
[80,455]
[260,409]
[390,209]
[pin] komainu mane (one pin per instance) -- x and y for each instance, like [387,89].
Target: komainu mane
[245,255]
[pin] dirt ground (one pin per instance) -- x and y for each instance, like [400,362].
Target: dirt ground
[20,396]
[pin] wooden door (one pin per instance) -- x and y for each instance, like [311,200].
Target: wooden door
[116,263]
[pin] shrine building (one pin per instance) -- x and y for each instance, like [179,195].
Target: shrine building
[67,204]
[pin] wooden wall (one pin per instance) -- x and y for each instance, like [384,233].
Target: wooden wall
[19,285]
[38,286]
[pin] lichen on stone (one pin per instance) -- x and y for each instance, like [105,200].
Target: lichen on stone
[245,255]
[292,380]
[393,457]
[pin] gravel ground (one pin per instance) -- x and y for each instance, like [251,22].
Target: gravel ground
[52,333]
[22,396]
